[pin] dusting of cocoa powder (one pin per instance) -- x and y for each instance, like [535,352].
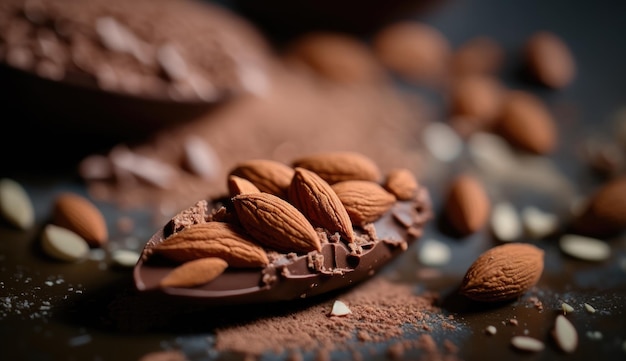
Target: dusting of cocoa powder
[383,313]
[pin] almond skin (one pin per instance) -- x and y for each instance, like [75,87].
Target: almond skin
[267,175]
[79,214]
[365,201]
[335,167]
[401,183]
[238,185]
[315,198]
[275,223]
[195,273]
[503,272]
[212,239]
[467,205]
[549,60]
[526,123]
[605,212]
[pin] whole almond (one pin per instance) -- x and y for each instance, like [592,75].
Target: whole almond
[476,97]
[315,198]
[238,185]
[401,183]
[604,214]
[503,272]
[79,214]
[467,205]
[338,166]
[212,239]
[194,273]
[336,56]
[364,201]
[526,123]
[478,55]
[268,175]
[549,60]
[414,50]
[276,223]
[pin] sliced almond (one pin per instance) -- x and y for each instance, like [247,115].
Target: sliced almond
[340,309]
[538,223]
[526,343]
[434,253]
[589,308]
[63,244]
[15,204]
[584,248]
[505,222]
[565,334]
[125,257]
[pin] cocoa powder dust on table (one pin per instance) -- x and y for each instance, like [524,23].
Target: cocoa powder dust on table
[383,313]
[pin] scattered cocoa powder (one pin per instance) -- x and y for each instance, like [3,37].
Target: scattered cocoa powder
[381,311]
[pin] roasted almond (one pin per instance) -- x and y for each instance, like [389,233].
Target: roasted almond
[267,175]
[526,123]
[315,198]
[276,223]
[195,273]
[238,185]
[467,205]
[503,272]
[79,214]
[549,60]
[212,239]
[364,201]
[401,183]
[604,214]
[477,97]
[338,166]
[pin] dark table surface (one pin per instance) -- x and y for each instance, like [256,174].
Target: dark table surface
[595,32]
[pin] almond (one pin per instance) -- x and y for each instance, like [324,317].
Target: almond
[268,175]
[338,166]
[16,207]
[477,97]
[549,60]
[503,272]
[467,205]
[526,123]
[604,214]
[315,198]
[212,239]
[79,214]
[401,183]
[364,201]
[238,185]
[194,273]
[276,223]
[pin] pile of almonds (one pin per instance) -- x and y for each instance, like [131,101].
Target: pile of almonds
[322,197]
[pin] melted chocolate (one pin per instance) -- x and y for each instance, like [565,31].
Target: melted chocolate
[291,276]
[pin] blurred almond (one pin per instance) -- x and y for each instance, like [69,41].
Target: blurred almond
[604,214]
[16,206]
[526,123]
[81,216]
[549,60]
[467,205]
